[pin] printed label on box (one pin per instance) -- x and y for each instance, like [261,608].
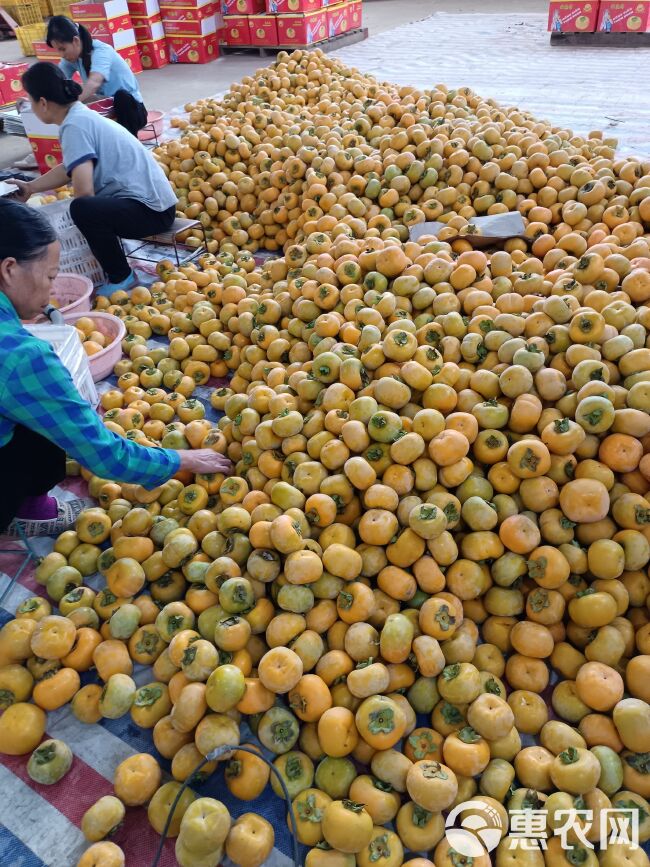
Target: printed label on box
[190,49]
[101,28]
[132,57]
[573,16]
[304,29]
[11,87]
[337,20]
[123,39]
[242,7]
[628,17]
[89,11]
[203,27]
[44,52]
[236,30]
[148,29]
[187,13]
[47,152]
[290,7]
[355,14]
[154,54]
[263,29]
[144,8]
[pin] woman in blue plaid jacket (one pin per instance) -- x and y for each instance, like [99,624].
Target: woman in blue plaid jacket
[42,416]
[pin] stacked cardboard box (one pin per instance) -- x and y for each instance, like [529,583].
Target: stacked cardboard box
[11,87]
[288,22]
[631,16]
[573,16]
[110,22]
[149,33]
[191,29]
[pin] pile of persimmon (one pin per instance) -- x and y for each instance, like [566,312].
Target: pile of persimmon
[427,579]
[310,139]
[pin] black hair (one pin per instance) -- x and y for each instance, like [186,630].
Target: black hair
[24,233]
[62,29]
[45,80]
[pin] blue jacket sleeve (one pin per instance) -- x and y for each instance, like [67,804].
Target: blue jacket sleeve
[41,395]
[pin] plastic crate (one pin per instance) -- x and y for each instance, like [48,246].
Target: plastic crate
[60,7]
[29,34]
[25,13]
[64,340]
[76,257]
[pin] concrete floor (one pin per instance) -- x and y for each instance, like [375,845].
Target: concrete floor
[176,84]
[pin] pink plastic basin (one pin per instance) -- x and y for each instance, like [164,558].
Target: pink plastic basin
[102,364]
[155,119]
[72,293]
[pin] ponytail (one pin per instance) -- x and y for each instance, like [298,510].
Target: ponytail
[46,81]
[62,29]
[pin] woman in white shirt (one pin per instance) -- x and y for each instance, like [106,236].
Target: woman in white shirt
[102,70]
[120,191]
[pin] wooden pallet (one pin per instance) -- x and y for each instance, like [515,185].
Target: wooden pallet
[270,50]
[601,40]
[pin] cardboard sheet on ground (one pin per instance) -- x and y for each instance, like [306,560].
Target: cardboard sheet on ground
[487,231]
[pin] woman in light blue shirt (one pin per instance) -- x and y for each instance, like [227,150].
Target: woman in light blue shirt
[102,70]
[120,191]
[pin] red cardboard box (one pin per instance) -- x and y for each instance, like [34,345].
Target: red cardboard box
[47,152]
[186,4]
[154,54]
[575,16]
[103,29]
[93,11]
[243,7]
[44,52]
[193,49]
[355,14]
[290,7]
[263,29]
[629,17]
[144,8]
[119,40]
[132,56]
[187,13]
[11,87]
[202,27]
[148,29]
[338,20]
[236,30]
[305,29]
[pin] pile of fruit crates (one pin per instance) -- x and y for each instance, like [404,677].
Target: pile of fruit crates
[599,16]
[287,22]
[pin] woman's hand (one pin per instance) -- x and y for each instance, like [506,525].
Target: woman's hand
[24,189]
[204,461]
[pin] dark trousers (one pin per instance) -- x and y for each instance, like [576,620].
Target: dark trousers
[30,465]
[103,221]
[129,113]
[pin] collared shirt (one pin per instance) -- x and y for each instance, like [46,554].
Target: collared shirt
[37,391]
[123,168]
[115,71]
